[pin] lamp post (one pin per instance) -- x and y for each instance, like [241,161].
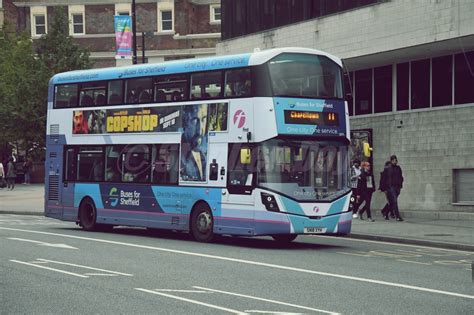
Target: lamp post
[134,30]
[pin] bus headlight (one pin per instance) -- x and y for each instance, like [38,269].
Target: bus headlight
[270,202]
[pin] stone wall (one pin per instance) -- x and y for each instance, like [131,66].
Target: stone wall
[429,144]
[388,25]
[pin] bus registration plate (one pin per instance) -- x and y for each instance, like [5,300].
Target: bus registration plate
[314,230]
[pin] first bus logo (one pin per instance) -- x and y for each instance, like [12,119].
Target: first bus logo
[239,118]
[113,197]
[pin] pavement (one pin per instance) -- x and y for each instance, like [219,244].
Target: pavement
[454,230]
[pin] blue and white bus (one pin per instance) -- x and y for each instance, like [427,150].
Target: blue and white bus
[250,144]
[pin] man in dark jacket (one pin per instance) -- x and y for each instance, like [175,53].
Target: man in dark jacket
[366,188]
[386,211]
[394,185]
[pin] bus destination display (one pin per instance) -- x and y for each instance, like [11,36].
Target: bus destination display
[311,118]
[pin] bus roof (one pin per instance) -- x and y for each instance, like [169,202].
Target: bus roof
[182,66]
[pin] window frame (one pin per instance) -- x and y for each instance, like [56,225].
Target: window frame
[212,14]
[37,11]
[161,21]
[160,8]
[121,8]
[75,10]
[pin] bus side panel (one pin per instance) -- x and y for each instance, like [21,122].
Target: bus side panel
[53,168]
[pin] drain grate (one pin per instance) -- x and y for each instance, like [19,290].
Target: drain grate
[438,234]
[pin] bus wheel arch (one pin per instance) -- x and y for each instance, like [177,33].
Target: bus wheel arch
[88,214]
[201,224]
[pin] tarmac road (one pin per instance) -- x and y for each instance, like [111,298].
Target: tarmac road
[48,266]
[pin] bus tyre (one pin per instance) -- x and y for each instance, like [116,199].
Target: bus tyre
[202,223]
[88,215]
[284,238]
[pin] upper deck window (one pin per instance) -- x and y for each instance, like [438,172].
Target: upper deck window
[66,96]
[238,83]
[92,94]
[139,91]
[304,75]
[206,85]
[171,88]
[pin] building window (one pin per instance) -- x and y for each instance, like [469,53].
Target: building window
[403,86]
[383,89]
[76,20]
[215,14]
[166,20]
[464,78]
[442,81]
[420,84]
[348,90]
[123,9]
[363,92]
[39,21]
[40,25]
[463,181]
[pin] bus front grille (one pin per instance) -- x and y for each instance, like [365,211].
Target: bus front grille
[53,188]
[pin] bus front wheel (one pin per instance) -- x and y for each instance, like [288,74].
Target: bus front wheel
[284,238]
[88,215]
[202,223]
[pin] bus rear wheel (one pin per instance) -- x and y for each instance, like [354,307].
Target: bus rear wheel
[88,215]
[284,238]
[202,223]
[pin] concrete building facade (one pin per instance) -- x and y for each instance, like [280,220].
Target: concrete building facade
[172,29]
[411,68]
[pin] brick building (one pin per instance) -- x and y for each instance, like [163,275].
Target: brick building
[8,13]
[173,29]
[411,65]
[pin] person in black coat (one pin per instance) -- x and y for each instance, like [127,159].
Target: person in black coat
[394,185]
[366,187]
[386,211]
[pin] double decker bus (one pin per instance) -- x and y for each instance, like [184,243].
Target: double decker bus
[249,144]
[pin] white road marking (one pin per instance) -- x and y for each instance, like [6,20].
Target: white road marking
[270,312]
[43,243]
[48,268]
[182,291]
[100,274]
[191,301]
[254,263]
[392,244]
[85,267]
[266,300]
[414,262]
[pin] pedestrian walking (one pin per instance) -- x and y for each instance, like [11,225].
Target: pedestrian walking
[2,176]
[11,174]
[394,185]
[386,210]
[27,168]
[366,188]
[355,176]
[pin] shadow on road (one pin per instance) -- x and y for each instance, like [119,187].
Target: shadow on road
[259,242]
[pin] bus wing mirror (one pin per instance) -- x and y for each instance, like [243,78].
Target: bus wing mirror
[367,149]
[245,156]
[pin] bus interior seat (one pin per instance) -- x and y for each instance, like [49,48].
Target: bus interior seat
[100,99]
[176,96]
[87,100]
[160,96]
[144,97]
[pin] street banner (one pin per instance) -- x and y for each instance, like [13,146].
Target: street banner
[123,36]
